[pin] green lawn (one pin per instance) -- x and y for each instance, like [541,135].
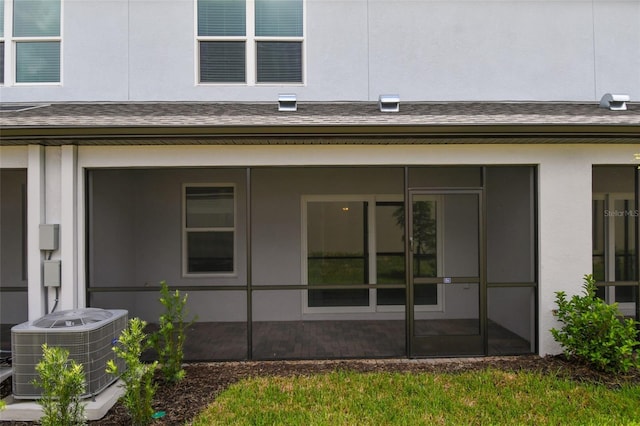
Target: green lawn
[480,398]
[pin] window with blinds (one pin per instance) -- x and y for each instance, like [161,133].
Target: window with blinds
[209,229]
[270,50]
[36,36]
[1,41]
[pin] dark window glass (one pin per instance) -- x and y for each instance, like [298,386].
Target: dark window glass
[222,62]
[279,62]
[337,252]
[210,252]
[1,62]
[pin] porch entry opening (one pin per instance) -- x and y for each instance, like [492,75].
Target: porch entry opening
[445,245]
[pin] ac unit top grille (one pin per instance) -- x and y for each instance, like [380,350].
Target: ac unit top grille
[72,318]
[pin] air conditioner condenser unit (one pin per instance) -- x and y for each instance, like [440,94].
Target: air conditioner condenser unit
[88,334]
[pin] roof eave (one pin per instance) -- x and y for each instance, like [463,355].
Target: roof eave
[76,135]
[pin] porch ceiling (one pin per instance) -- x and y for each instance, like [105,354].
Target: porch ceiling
[316,123]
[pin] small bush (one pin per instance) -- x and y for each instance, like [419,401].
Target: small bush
[169,340]
[62,383]
[594,332]
[137,376]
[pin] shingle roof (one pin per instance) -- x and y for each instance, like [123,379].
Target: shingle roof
[101,121]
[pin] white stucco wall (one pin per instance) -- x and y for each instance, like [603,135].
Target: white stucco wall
[543,50]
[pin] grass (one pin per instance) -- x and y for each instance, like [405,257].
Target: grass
[482,397]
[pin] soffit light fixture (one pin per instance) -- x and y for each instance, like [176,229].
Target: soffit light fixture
[389,103]
[615,102]
[287,102]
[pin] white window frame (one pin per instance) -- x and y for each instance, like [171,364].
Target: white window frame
[610,198]
[185,231]
[373,306]
[10,49]
[250,40]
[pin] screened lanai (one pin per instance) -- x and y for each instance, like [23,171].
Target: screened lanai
[13,253]
[322,262]
[615,236]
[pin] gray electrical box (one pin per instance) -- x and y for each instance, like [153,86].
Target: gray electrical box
[49,237]
[51,273]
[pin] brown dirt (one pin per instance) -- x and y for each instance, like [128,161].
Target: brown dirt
[204,381]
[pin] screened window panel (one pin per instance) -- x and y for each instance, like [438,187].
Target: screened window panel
[221,18]
[36,18]
[279,62]
[279,18]
[38,62]
[222,62]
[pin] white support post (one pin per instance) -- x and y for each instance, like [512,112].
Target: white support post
[35,216]
[564,235]
[68,297]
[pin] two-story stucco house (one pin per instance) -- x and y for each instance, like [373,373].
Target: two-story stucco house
[324,178]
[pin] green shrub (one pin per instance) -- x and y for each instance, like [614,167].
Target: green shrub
[594,332]
[169,340]
[62,383]
[137,376]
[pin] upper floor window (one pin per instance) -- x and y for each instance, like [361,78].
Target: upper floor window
[1,41]
[250,41]
[31,36]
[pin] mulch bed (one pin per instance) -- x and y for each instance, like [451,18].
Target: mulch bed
[183,401]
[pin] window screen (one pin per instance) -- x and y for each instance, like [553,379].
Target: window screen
[36,18]
[221,18]
[279,18]
[222,62]
[1,62]
[279,62]
[38,62]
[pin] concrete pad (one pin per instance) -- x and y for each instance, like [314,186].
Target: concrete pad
[95,408]
[5,373]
